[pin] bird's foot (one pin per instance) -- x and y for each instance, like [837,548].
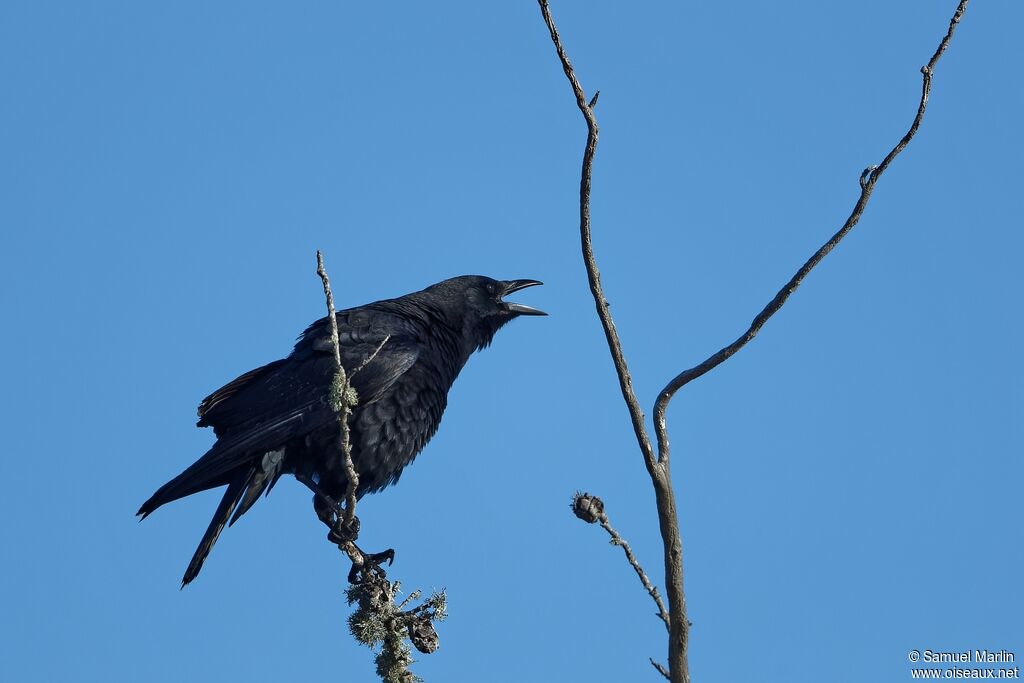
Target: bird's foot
[365,564]
[341,532]
[344,535]
[378,559]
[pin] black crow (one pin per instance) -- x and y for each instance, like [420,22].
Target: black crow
[276,419]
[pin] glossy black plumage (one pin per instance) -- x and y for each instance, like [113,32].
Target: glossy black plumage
[275,419]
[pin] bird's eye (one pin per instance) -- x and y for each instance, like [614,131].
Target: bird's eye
[491,289]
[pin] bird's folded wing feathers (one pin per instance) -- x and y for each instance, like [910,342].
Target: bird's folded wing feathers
[220,464]
[263,409]
[210,403]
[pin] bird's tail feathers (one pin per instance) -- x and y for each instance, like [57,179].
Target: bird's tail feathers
[219,466]
[264,475]
[177,488]
[234,492]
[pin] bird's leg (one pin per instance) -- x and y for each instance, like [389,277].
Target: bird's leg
[328,514]
[327,509]
[331,513]
[344,535]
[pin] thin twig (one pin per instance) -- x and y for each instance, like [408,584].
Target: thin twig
[369,359]
[631,558]
[332,321]
[868,179]
[661,669]
[415,595]
[345,409]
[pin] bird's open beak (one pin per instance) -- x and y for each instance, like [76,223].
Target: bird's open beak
[515,286]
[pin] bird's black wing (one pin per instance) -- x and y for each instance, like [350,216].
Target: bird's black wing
[265,408]
[275,390]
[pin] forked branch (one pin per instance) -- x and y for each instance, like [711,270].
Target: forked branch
[658,466]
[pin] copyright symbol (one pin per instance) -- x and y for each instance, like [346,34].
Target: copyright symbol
[914,655]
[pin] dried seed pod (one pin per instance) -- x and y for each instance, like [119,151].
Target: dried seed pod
[587,507]
[422,634]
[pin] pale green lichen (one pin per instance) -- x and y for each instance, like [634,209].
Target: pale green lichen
[437,603]
[341,395]
[350,397]
[394,659]
[377,620]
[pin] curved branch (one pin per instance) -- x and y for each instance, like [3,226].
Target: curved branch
[868,179]
[636,414]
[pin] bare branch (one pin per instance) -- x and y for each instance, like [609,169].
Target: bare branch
[341,390]
[658,466]
[593,274]
[369,359]
[591,509]
[332,321]
[661,669]
[631,558]
[868,179]
[661,479]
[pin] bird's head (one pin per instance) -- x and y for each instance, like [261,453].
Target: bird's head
[478,304]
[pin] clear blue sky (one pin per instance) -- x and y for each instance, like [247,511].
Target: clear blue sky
[849,485]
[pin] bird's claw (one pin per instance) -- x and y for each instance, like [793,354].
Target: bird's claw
[343,533]
[378,559]
[371,563]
